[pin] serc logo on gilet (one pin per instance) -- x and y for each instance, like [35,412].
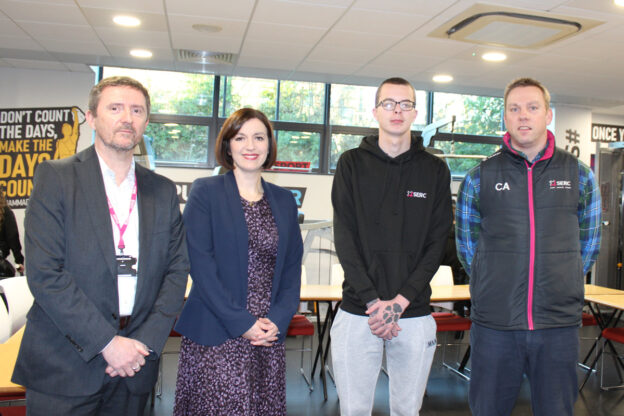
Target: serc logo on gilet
[559,184]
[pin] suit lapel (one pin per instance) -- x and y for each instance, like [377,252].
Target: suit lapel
[238,217]
[91,187]
[147,217]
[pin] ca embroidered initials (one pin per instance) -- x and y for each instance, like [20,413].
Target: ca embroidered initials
[502,186]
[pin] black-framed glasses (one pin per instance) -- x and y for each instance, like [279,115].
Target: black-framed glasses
[389,104]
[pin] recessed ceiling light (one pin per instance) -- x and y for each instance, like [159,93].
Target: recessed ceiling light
[494,56]
[141,53]
[442,78]
[619,2]
[128,21]
[200,27]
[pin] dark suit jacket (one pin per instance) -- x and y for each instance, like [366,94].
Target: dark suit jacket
[72,275]
[218,242]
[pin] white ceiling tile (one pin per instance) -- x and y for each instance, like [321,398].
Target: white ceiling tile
[19,42]
[73,67]
[127,36]
[231,9]
[468,68]
[33,64]
[124,53]
[209,43]
[421,7]
[284,63]
[603,6]
[298,14]
[347,39]
[8,28]
[378,22]
[59,31]
[404,63]
[104,18]
[184,25]
[75,47]
[291,51]
[339,3]
[42,12]
[425,46]
[330,67]
[343,55]
[279,33]
[588,49]
[149,6]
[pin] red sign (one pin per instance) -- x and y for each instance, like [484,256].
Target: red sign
[285,166]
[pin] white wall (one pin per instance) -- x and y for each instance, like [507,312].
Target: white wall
[575,123]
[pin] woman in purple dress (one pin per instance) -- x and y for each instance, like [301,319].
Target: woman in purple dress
[245,249]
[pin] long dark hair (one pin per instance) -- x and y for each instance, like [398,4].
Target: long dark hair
[3,205]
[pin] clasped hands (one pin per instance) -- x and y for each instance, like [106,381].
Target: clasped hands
[384,316]
[263,333]
[124,356]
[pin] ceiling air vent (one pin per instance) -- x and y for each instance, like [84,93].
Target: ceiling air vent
[205,57]
[500,26]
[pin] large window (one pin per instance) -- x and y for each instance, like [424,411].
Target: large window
[302,102]
[237,92]
[182,107]
[475,115]
[314,122]
[476,131]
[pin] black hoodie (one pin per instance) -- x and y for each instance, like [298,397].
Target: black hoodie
[392,217]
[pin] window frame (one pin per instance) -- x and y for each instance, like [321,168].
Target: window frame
[326,130]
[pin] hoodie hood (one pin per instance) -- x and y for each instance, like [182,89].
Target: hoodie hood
[371,145]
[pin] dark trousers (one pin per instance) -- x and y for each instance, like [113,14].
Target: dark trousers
[499,359]
[114,399]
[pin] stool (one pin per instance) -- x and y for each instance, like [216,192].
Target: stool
[301,326]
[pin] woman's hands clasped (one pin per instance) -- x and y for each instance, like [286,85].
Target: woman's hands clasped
[263,333]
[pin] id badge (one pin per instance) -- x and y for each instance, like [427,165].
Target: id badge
[126,265]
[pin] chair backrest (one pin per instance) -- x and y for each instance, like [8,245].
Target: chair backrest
[337,275]
[443,277]
[19,300]
[5,323]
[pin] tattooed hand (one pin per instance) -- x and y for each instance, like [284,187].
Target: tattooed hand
[385,315]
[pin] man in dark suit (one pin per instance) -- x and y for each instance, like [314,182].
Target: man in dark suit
[107,266]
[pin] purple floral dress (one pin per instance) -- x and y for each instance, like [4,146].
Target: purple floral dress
[237,378]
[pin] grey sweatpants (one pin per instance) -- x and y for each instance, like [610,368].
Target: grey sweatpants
[357,355]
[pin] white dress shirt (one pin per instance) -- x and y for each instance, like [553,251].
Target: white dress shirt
[120,198]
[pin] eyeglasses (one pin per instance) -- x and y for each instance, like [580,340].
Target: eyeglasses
[389,104]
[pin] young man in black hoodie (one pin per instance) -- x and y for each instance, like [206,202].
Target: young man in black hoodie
[392,216]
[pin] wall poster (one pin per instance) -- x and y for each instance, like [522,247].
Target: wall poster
[29,136]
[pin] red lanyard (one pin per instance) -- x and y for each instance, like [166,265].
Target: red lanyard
[122,228]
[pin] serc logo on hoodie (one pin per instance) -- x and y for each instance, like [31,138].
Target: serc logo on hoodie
[416,194]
